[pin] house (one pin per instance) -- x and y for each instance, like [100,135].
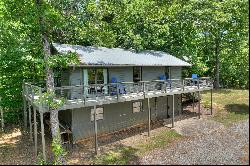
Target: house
[114,88]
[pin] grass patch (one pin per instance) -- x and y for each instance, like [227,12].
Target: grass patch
[159,141]
[231,105]
[123,155]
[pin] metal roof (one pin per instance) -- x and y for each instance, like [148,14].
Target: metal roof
[102,56]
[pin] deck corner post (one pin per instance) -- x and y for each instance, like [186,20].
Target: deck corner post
[117,91]
[24,108]
[25,113]
[183,84]
[95,128]
[149,117]
[42,135]
[35,132]
[2,119]
[173,113]
[181,111]
[193,101]
[199,105]
[211,101]
[30,122]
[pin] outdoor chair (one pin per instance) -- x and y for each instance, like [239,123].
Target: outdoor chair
[194,82]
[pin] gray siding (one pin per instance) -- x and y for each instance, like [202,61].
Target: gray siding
[152,73]
[120,115]
[175,72]
[65,78]
[75,78]
[123,74]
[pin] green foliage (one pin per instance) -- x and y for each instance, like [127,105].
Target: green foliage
[40,159]
[63,61]
[159,141]
[12,116]
[58,151]
[119,156]
[199,30]
[123,155]
[49,99]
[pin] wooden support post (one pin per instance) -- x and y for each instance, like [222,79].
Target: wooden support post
[25,113]
[30,123]
[2,119]
[199,104]
[95,126]
[149,117]
[167,108]
[35,132]
[24,107]
[181,110]
[42,135]
[193,102]
[173,113]
[117,91]
[211,101]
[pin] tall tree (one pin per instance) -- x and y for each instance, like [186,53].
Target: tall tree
[44,29]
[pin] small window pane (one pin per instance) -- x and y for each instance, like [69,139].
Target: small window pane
[167,72]
[137,107]
[99,113]
[137,74]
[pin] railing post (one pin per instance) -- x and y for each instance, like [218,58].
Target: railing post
[82,94]
[117,91]
[183,84]
[32,93]
[166,88]
[198,83]
[61,91]
[144,89]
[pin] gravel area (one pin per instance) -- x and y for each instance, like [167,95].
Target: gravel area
[222,146]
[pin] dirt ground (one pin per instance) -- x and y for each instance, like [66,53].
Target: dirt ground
[16,147]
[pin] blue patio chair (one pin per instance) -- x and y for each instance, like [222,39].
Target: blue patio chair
[194,76]
[163,77]
[122,89]
[160,85]
[113,87]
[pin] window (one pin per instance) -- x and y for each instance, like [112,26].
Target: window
[98,73]
[167,72]
[91,75]
[99,113]
[137,106]
[136,74]
[57,78]
[100,78]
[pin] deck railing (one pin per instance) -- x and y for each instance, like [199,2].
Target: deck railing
[116,90]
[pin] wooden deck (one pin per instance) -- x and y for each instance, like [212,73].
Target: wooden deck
[134,91]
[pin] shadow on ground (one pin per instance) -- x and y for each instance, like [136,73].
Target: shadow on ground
[242,109]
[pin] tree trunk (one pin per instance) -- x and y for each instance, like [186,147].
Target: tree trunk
[54,121]
[217,65]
